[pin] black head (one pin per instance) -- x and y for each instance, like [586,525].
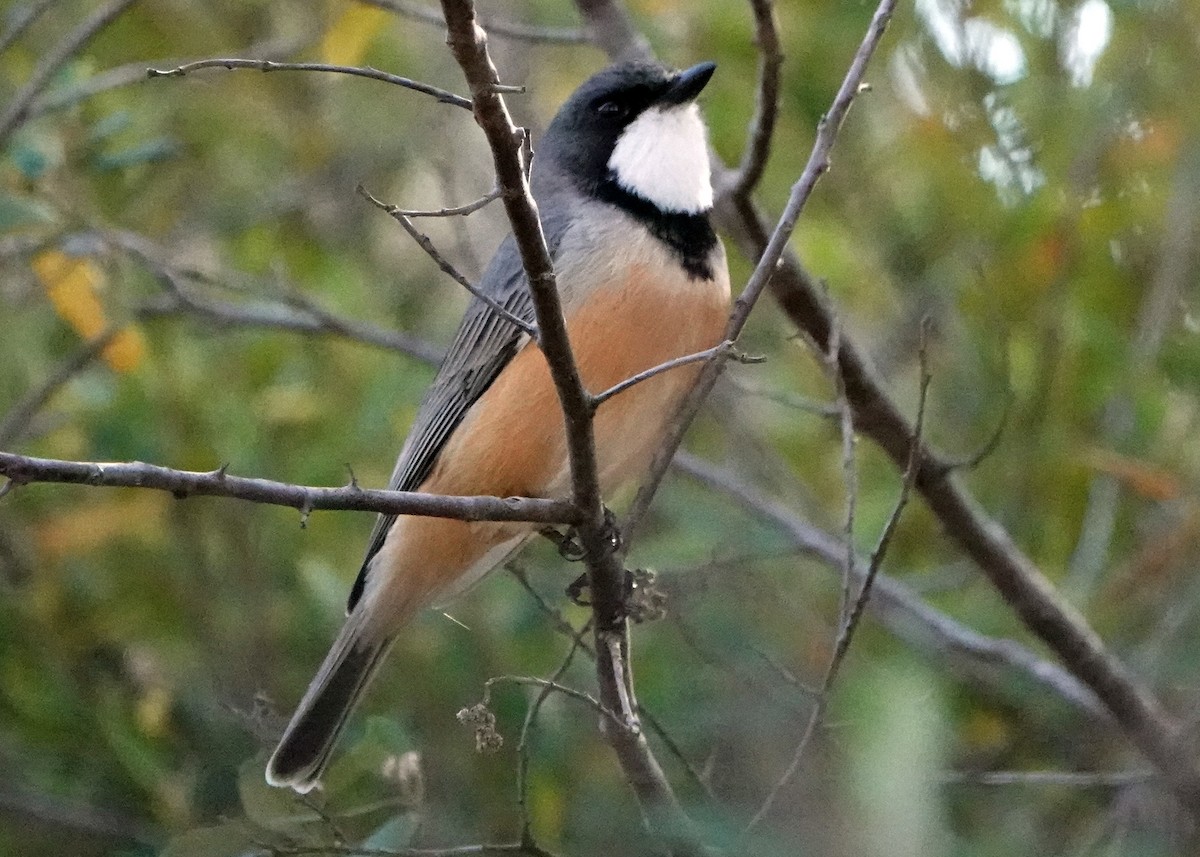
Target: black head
[662,156]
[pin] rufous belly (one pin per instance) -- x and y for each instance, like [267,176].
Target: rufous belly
[513,442]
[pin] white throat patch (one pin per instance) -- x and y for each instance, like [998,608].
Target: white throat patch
[662,156]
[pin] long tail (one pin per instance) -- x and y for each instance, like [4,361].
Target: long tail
[304,749]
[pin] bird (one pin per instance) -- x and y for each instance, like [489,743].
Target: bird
[622,180]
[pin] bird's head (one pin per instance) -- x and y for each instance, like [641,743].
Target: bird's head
[635,126]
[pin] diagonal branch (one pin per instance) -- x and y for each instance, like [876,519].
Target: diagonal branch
[404,219]
[22,21]
[23,469]
[301,315]
[852,618]
[18,417]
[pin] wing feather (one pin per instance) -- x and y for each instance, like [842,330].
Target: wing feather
[483,345]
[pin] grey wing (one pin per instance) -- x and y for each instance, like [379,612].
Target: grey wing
[484,344]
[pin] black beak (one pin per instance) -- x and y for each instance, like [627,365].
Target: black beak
[686,85]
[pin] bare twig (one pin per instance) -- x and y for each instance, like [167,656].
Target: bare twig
[885,538]
[280,317]
[494,26]
[726,350]
[766,107]
[530,718]
[135,73]
[18,417]
[850,621]
[24,470]
[1070,779]
[302,316]
[815,716]
[1011,572]
[425,244]
[442,95]
[530,849]
[460,210]
[551,685]
[829,357]
[18,108]
[562,626]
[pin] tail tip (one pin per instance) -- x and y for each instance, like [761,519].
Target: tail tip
[300,781]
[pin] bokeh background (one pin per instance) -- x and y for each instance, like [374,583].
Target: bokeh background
[1025,174]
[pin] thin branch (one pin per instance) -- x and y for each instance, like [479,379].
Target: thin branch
[495,27]
[461,210]
[24,470]
[851,620]
[528,848]
[55,59]
[22,21]
[425,244]
[527,726]
[849,463]
[1070,779]
[17,420]
[280,317]
[817,166]
[723,350]
[551,685]
[135,72]
[885,539]
[815,716]
[443,96]
[766,107]
[303,316]
[562,626]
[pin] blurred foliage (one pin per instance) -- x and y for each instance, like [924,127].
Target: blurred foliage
[1024,173]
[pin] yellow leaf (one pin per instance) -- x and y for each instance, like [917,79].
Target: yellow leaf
[71,283]
[347,41]
[126,350]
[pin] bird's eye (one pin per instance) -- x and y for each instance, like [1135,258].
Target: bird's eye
[609,109]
